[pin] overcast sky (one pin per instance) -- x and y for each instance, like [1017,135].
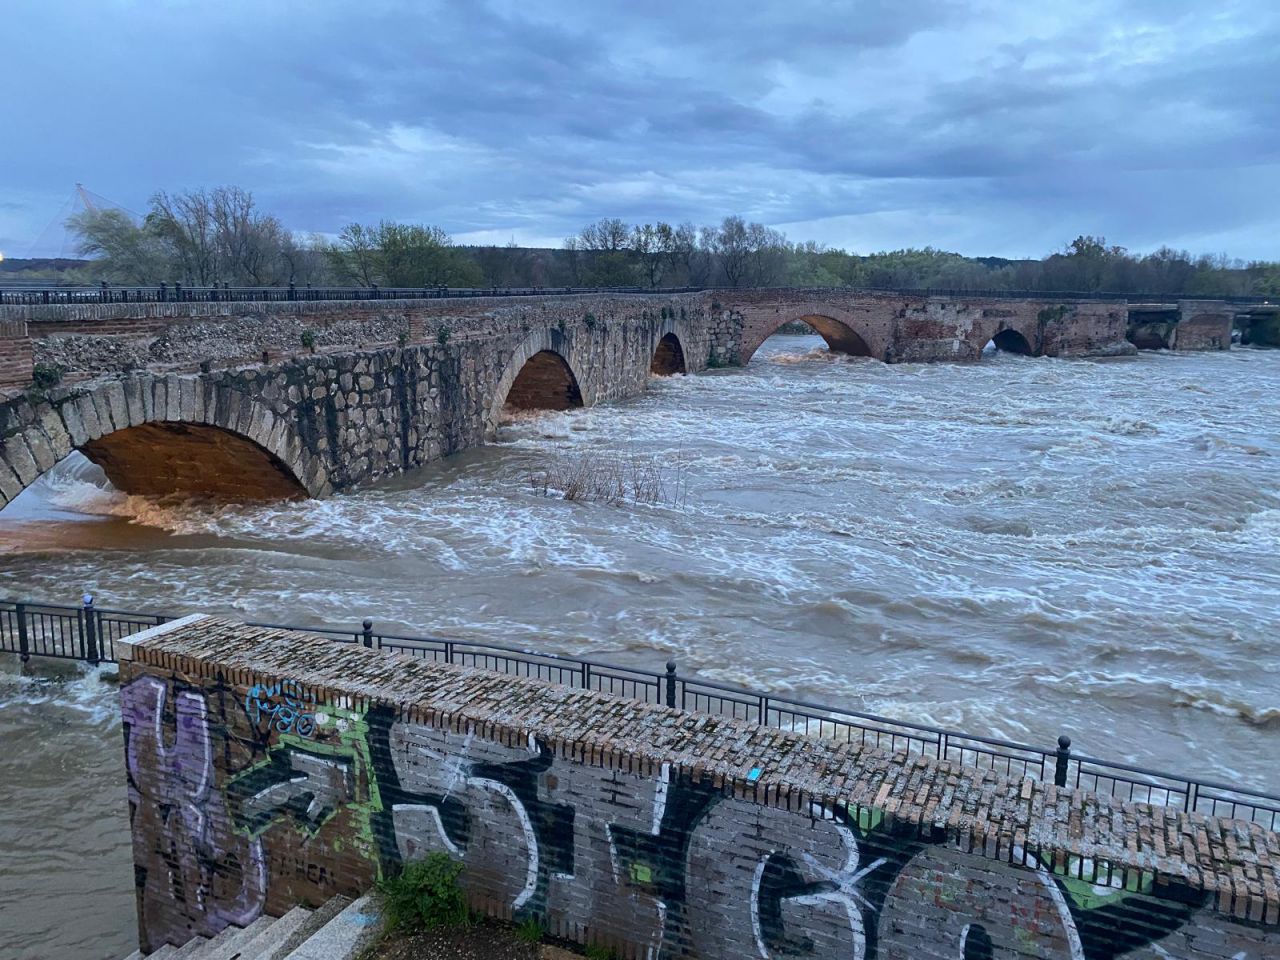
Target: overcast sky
[983,126]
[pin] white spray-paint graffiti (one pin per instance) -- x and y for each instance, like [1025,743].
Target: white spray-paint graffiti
[674,867]
[659,864]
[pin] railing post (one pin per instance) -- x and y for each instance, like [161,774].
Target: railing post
[90,631]
[164,291]
[177,292]
[671,683]
[367,633]
[24,650]
[293,290]
[1064,756]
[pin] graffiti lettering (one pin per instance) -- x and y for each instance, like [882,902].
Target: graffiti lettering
[283,707]
[187,857]
[653,866]
[306,787]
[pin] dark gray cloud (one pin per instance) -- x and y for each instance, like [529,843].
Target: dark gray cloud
[987,126]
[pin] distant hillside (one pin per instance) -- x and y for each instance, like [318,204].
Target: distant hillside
[45,266]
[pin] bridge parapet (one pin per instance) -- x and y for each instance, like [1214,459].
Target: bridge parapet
[269,768]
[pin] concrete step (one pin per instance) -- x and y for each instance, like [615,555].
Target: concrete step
[164,953]
[230,942]
[272,938]
[345,936]
[191,948]
[313,922]
[136,955]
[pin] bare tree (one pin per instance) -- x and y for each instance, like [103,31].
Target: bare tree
[731,244]
[185,223]
[653,246]
[249,243]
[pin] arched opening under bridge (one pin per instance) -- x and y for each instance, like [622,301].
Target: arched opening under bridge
[164,459]
[1009,341]
[545,382]
[668,358]
[192,459]
[839,336]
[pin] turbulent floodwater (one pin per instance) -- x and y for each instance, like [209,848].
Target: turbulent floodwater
[1020,547]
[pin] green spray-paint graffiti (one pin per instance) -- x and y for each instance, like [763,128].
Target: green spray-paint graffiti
[309,778]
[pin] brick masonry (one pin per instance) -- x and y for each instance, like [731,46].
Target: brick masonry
[16,358]
[268,769]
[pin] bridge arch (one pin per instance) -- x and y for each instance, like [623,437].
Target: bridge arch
[1010,340]
[842,331]
[542,374]
[156,435]
[668,357]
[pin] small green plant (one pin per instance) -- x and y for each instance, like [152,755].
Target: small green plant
[597,952]
[425,895]
[403,338]
[531,930]
[560,325]
[442,335]
[46,375]
[684,314]
[590,320]
[715,304]
[309,340]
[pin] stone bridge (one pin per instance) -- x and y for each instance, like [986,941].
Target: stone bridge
[269,400]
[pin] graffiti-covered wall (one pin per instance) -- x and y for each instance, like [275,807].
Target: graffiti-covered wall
[269,769]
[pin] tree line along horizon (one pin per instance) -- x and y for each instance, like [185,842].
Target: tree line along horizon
[219,236]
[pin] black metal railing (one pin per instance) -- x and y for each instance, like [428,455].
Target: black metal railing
[20,295]
[25,294]
[89,633]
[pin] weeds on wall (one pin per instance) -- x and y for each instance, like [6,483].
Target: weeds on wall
[442,335]
[46,375]
[309,340]
[531,931]
[425,895]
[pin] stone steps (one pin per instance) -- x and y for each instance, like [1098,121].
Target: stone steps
[339,930]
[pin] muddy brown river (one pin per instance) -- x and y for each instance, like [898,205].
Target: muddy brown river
[1019,548]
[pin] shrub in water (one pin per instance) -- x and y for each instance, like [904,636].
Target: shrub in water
[425,895]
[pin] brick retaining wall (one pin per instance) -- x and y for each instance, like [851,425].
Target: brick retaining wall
[15,354]
[268,768]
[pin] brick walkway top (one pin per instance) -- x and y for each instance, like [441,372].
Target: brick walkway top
[983,812]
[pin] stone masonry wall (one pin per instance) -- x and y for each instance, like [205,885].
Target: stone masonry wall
[915,329]
[91,339]
[268,769]
[1204,325]
[341,417]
